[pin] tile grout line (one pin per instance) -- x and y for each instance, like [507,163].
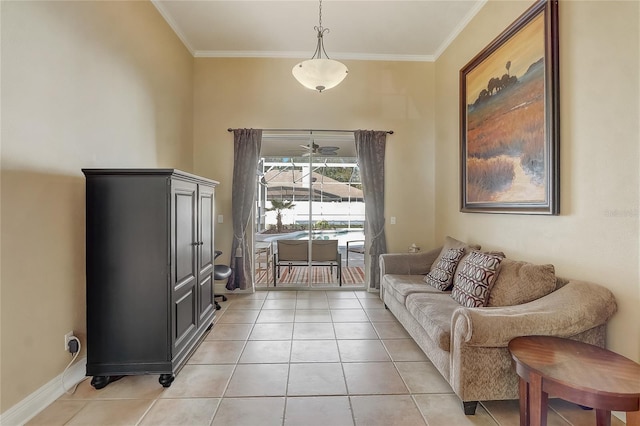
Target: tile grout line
[235,365]
[286,388]
[155,404]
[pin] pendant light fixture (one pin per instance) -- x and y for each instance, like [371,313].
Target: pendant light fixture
[320,73]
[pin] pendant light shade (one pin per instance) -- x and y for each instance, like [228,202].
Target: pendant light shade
[320,73]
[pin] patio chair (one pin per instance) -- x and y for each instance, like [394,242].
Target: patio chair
[355,246]
[325,252]
[296,253]
[263,260]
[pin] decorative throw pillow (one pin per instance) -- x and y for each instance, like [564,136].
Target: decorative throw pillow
[521,282]
[450,243]
[474,277]
[441,276]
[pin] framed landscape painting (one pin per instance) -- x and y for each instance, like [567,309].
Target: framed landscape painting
[509,119]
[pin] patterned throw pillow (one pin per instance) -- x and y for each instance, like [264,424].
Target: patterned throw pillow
[441,276]
[450,243]
[474,278]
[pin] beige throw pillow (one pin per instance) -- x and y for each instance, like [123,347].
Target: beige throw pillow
[521,282]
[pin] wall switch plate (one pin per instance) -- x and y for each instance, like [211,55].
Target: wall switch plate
[393,220]
[220,218]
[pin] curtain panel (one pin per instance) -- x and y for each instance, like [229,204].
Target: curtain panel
[246,154]
[370,151]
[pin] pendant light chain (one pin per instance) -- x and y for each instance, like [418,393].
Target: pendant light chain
[321,31]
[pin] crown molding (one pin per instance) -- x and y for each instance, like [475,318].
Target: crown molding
[305,55]
[173,25]
[458,29]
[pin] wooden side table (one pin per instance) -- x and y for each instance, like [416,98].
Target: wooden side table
[577,372]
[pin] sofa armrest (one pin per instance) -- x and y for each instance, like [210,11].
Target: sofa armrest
[570,310]
[407,263]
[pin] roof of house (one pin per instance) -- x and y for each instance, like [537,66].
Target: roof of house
[285,184]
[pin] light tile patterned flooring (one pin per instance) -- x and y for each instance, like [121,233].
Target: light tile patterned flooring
[296,358]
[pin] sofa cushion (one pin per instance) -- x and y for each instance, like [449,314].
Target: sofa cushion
[521,282]
[441,276]
[450,243]
[474,278]
[400,286]
[434,314]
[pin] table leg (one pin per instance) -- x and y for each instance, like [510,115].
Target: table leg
[537,401]
[633,418]
[523,390]
[603,417]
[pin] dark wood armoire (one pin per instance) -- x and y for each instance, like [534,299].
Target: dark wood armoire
[149,269]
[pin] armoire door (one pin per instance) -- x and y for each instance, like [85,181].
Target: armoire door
[206,251]
[185,245]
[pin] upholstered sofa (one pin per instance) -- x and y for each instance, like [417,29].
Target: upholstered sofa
[466,338]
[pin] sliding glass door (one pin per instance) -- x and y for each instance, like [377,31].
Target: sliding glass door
[309,213]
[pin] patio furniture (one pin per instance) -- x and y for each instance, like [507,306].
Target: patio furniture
[296,253]
[263,251]
[355,246]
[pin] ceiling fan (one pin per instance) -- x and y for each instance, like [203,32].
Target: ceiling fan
[315,149]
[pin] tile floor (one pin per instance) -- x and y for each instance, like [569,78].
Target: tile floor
[296,358]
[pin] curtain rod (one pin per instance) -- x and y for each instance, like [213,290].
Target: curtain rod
[307,130]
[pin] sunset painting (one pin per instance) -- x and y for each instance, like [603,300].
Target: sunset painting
[505,156]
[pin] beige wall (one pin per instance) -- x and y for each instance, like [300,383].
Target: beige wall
[262,93]
[84,84]
[596,237]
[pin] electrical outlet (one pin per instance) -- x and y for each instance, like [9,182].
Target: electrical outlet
[67,337]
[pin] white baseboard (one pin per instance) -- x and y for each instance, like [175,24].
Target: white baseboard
[222,289]
[33,404]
